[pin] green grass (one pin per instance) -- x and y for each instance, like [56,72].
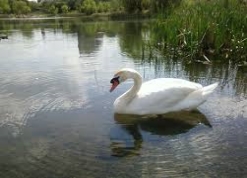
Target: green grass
[203,30]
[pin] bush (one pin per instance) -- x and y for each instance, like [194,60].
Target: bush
[115,6]
[4,7]
[146,4]
[65,9]
[53,10]
[89,7]
[132,5]
[20,7]
[104,7]
[34,6]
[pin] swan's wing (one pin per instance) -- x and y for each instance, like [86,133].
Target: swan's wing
[168,83]
[162,93]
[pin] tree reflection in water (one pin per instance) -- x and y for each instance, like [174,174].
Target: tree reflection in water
[173,123]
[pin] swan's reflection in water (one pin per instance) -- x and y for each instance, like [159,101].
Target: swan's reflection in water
[167,124]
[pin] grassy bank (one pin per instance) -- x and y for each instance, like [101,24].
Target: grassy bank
[203,30]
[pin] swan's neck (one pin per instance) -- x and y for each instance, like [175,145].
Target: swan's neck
[128,96]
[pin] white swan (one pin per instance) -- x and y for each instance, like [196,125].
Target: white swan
[158,96]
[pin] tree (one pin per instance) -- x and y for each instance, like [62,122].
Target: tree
[104,6]
[160,5]
[65,9]
[132,5]
[53,10]
[73,4]
[116,5]
[146,4]
[4,6]
[34,5]
[20,7]
[88,6]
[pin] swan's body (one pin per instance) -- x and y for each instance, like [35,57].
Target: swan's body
[158,96]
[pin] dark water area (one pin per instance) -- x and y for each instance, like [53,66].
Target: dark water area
[56,111]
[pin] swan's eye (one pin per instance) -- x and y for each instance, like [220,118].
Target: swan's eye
[115,79]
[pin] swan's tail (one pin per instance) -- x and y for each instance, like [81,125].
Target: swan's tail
[196,98]
[209,89]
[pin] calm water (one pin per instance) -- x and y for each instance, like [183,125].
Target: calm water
[57,120]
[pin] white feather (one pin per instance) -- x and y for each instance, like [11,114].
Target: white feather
[159,96]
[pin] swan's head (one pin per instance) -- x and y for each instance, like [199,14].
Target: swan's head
[121,76]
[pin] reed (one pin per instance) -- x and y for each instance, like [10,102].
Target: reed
[203,30]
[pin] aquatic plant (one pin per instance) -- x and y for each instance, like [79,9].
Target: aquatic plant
[203,30]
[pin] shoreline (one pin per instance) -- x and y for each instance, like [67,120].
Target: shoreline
[96,16]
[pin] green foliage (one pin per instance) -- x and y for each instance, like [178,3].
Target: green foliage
[4,7]
[163,5]
[116,5]
[131,6]
[20,7]
[53,10]
[146,4]
[104,7]
[34,5]
[84,6]
[65,9]
[89,7]
[73,4]
[203,29]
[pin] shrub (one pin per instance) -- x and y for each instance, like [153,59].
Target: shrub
[4,7]
[115,5]
[104,7]
[88,7]
[20,7]
[53,10]
[132,5]
[65,9]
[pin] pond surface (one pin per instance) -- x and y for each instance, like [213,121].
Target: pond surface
[56,112]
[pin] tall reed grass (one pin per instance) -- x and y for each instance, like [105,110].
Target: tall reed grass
[203,30]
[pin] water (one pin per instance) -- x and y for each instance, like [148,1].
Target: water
[56,115]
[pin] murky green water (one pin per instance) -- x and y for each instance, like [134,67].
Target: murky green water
[56,115]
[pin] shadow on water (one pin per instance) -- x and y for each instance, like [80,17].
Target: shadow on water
[169,124]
